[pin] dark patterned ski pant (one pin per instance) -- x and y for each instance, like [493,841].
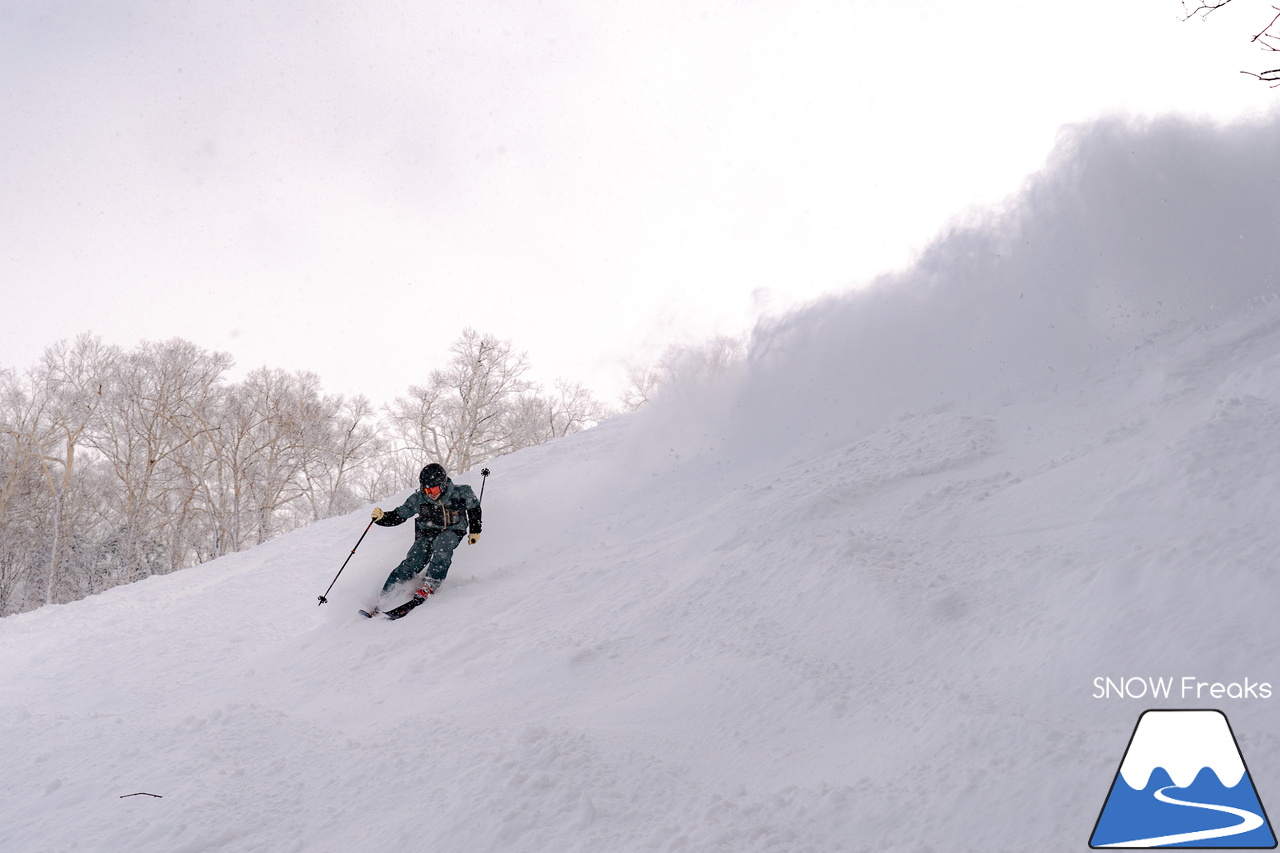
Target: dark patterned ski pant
[434,551]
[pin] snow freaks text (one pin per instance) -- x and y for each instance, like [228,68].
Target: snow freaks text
[1186,687]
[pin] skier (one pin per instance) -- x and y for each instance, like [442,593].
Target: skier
[446,513]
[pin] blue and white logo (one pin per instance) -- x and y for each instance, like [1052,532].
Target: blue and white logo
[1183,783]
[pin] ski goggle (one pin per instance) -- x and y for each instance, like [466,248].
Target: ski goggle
[433,491]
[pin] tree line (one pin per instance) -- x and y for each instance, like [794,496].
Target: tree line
[119,464]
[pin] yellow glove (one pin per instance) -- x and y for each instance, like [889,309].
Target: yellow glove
[473,538]
[378,513]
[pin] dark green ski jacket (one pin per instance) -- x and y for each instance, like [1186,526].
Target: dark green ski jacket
[456,509]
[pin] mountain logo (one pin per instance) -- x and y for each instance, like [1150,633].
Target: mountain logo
[1183,783]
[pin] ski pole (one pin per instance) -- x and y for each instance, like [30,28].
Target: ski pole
[484,472]
[323,599]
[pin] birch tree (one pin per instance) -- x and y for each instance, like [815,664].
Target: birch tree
[481,381]
[72,379]
[683,366]
[461,416]
[481,405]
[540,416]
[348,441]
[25,434]
[288,417]
[155,403]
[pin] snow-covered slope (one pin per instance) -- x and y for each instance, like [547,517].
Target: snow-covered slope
[852,596]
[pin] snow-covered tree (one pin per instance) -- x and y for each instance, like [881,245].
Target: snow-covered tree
[679,365]
[481,405]
[460,417]
[157,401]
[72,380]
[538,416]
[348,441]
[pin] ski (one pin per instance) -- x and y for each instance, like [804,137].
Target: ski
[403,609]
[396,612]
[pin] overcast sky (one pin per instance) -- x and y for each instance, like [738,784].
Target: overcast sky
[344,187]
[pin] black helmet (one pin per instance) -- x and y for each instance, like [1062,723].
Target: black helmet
[433,475]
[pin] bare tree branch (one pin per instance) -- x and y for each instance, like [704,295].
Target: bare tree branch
[1203,10]
[1272,76]
[1265,38]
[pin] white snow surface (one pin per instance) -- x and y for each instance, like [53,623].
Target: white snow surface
[851,596]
